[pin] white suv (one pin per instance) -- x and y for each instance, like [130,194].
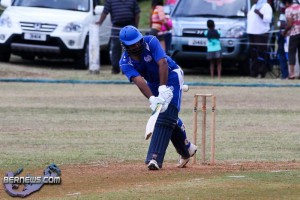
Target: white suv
[50,29]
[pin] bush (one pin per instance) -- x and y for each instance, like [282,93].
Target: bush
[145,6]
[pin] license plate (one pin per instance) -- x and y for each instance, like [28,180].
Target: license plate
[35,36]
[197,42]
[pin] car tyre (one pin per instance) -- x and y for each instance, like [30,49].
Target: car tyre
[82,62]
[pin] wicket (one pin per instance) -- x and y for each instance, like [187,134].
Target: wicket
[213,126]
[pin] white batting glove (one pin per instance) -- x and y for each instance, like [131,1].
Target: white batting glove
[165,93]
[154,101]
[164,107]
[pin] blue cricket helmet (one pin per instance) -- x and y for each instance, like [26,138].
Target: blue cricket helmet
[130,35]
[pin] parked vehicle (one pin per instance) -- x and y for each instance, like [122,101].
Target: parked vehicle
[190,21]
[50,29]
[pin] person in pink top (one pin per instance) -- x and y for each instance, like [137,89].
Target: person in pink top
[292,14]
[171,2]
[158,18]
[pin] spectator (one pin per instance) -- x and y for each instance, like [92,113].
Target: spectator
[259,19]
[122,13]
[166,31]
[292,14]
[160,80]
[157,20]
[281,40]
[214,50]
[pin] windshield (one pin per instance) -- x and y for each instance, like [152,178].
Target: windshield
[77,5]
[212,8]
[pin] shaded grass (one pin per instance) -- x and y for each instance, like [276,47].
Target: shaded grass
[64,70]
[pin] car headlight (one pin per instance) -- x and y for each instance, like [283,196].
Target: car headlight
[5,21]
[73,27]
[235,32]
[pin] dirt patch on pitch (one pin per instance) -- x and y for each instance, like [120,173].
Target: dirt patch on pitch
[105,177]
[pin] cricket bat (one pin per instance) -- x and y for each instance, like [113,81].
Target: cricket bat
[152,121]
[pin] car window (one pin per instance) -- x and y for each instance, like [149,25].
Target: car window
[221,8]
[77,5]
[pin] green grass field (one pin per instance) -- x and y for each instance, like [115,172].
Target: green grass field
[67,123]
[95,132]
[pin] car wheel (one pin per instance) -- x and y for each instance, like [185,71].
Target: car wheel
[4,57]
[82,62]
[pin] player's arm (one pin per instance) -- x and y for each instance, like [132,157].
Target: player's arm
[165,92]
[143,87]
[159,56]
[163,71]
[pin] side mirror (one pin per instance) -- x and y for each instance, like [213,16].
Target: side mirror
[6,3]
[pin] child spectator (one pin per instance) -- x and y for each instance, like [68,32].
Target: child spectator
[214,50]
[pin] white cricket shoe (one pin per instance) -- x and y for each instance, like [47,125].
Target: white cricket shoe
[182,162]
[192,150]
[153,165]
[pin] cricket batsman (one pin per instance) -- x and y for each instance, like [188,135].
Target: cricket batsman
[160,80]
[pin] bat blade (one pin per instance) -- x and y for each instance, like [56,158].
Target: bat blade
[152,121]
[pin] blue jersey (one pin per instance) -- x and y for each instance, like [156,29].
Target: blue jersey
[147,67]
